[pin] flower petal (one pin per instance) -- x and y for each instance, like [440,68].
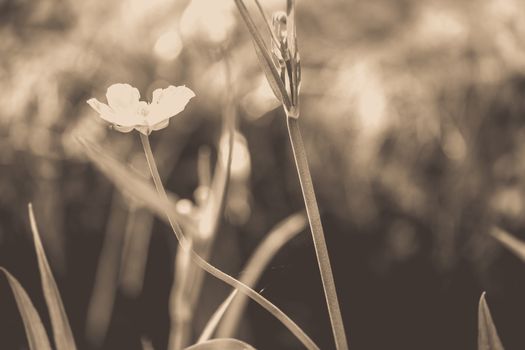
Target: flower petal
[123,98]
[168,102]
[123,128]
[160,125]
[109,115]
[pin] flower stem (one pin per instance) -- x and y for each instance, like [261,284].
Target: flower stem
[323,259]
[212,270]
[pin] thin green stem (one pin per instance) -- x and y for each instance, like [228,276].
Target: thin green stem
[212,270]
[180,308]
[316,227]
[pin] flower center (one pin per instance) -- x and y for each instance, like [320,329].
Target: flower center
[143,112]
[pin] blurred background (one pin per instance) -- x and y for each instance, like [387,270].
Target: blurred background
[413,114]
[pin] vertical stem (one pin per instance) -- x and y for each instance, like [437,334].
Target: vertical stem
[203,264]
[181,311]
[323,259]
[179,308]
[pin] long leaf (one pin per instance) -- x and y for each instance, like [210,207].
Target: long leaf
[265,60]
[61,329]
[316,226]
[488,338]
[162,207]
[510,242]
[197,259]
[268,74]
[104,290]
[35,331]
[222,344]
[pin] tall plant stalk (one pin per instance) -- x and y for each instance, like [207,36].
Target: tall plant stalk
[314,219]
[282,69]
[267,305]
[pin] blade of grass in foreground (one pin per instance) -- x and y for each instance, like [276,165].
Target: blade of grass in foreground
[290,105]
[61,329]
[161,206]
[222,344]
[488,338]
[35,332]
[510,242]
[314,218]
[263,55]
[274,241]
[197,259]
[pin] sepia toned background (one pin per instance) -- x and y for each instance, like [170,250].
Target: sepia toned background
[413,115]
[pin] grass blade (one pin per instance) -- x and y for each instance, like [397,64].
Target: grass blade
[61,329]
[35,331]
[212,270]
[268,74]
[135,251]
[104,291]
[222,344]
[314,218]
[274,241]
[266,22]
[263,54]
[216,318]
[488,338]
[510,242]
[161,206]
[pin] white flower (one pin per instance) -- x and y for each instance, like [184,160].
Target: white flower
[126,112]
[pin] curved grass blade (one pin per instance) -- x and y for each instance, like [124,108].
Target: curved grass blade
[266,22]
[263,55]
[216,318]
[35,331]
[268,74]
[488,338]
[274,241]
[61,329]
[222,344]
[212,270]
[290,24]
[510,242]
[161,206]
